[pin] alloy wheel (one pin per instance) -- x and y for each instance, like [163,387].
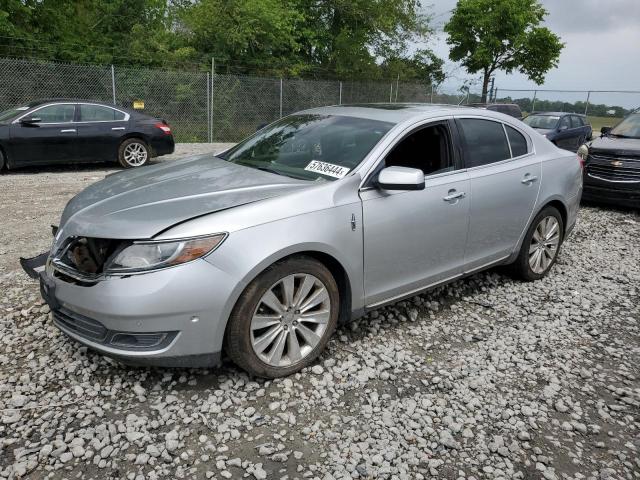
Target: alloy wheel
[544,244]
[135,154]
[290,320]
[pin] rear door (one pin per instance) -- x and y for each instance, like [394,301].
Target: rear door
[51,138]
[100,131]
[504,177]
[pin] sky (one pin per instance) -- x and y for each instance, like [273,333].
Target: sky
[602,50]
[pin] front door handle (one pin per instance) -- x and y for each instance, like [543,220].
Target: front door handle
[453,196]
[68,130]
[117,128]
[528,179]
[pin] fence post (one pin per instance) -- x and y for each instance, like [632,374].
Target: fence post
[208,109]
[391,94]
[495,95]
[213,73]
[397,87]
[533,104]
[432,93]
[113,83]
[281,97]
[586,107]
[340,94]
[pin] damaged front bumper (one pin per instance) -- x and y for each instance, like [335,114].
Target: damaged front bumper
[173,317]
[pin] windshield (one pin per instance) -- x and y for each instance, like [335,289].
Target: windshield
[12,112]
[547,122]
[311,146]
[629,127]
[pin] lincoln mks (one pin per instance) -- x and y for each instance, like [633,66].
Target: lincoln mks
[316,219]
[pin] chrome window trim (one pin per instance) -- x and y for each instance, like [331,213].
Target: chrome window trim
[127,116]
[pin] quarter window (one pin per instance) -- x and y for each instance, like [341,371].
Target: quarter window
[99,113]
[484,142]
[517,141]
[55,114]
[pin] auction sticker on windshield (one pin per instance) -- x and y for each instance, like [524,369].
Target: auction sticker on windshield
[328,169]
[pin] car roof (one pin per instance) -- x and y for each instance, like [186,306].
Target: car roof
[397,112]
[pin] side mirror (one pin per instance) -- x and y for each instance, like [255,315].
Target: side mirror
[605,130]
[401,178]
[30,120]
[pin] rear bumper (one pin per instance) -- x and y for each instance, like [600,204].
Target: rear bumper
[163,145]
[612,194]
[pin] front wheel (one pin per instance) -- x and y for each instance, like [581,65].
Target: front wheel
[133,152]
[541,245]
[284,318]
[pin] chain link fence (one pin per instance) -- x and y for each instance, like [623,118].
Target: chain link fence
[207,107]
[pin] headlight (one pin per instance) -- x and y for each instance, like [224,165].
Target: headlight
[144,256]
[583,152]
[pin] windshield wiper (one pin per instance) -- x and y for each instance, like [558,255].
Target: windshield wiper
[270,170]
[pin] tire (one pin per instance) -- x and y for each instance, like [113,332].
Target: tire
[2,160]
[256,330]
[528,268]
[133,153]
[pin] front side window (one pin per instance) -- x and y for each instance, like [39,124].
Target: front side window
[428,149]
[564,122]
[99,113]
[576,121]
[484,142]
[627,128]
[517,141]
[310,146]
[545,122]
[55,114]
[12,112]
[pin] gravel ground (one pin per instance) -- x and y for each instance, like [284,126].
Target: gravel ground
[484,378]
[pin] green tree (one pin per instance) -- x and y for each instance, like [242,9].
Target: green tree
[491,35]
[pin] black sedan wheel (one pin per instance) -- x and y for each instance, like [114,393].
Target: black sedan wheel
[133,152]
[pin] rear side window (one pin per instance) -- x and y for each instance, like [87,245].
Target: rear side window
[99,113]
[484,142]
[517,141]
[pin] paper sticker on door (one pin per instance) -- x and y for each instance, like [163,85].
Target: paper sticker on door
[328,169]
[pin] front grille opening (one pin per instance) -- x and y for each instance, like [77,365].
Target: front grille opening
[88,255]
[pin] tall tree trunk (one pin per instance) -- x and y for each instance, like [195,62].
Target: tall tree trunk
[485,85]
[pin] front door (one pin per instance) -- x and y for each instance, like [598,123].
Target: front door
[413,239]
[504,178]
[49,139]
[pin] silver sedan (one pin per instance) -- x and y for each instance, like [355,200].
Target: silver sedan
[314,220]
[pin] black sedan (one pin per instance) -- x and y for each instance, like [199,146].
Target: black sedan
[565,130]
[72,131]
[612,164]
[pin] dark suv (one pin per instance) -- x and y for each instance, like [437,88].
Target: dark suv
[612,164]
[510,109]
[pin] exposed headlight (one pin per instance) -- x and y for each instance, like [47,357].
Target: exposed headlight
[143,256]
[583,152]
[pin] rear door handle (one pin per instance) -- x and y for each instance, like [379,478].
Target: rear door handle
[528,179]
[68,130]
[453,196]
[117,128]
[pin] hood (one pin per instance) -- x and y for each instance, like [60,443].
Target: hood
[138,204]
[627,147]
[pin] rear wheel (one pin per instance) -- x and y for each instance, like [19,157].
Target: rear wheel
[284,318]
[2,160]
[133,152]
[541,245]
